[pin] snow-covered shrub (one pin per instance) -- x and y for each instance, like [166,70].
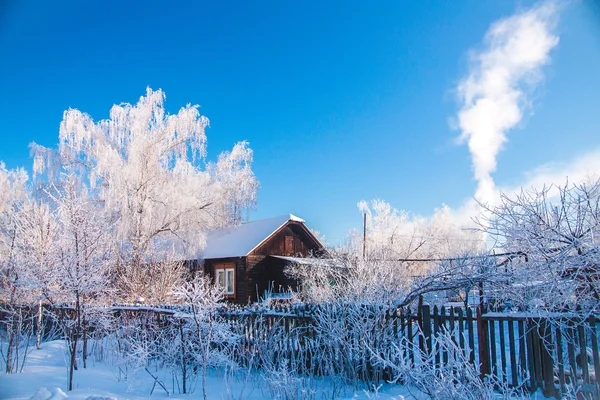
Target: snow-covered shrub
[284,382]
[454,379]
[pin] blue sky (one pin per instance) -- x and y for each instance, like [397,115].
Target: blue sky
[341,101]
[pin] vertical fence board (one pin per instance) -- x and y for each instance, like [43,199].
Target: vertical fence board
[436,331]
[530,357]
[470,327]
[546,345]
[583,354]
[522,350]
[452,333]
[426,328]
[461,333]
[494,366]
[560,359]
[512,350]
[502,349]
[409,323]
[594,338]
[443,321]
[482,341]
[571,352]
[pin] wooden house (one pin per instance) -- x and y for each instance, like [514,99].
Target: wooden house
[249,260]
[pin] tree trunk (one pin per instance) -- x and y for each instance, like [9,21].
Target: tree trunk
[40,328]
[11,342]
[73,363]
[183,365]
[85,343]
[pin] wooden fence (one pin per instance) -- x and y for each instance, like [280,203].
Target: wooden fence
[526,350]
[550,352]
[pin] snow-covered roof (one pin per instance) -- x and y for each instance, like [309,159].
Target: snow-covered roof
[240,240]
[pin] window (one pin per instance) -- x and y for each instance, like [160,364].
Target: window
[225,278]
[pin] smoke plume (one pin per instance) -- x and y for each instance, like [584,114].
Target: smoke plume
[500,77]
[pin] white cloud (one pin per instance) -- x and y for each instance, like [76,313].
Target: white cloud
[581,169]
[495,90]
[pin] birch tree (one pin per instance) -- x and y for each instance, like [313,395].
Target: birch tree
[148,169]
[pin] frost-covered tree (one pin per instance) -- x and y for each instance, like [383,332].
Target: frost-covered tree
[557,231]
[12,195]
[13,292]
[36,245]
[147,168]
[393,234]
[235,183]
[396,234]
[81,273]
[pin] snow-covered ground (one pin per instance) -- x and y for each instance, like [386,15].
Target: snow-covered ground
[45,374]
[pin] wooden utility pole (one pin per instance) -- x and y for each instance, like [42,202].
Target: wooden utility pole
[364,236]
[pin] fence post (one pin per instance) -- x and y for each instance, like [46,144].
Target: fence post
[547,361]
[471,335]
[484,350]
[426,328]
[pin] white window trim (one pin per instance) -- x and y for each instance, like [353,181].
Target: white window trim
[226,272]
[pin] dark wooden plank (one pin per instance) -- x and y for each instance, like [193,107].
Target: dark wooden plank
[436,331]
[502,349]
[531,365]
[409,323]
[470,328]
[571,338]
[426,328]
[594,339]
[403,334]
[546,344]
[482,339]
[513,353]
[522,351]
[537,354]
[494,365]
[443,327]
[451,327]
[583,359]
[560,359]
[461,332]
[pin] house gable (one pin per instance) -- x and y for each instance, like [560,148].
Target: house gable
[293,239]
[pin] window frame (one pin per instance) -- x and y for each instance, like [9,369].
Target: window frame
[226,269]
